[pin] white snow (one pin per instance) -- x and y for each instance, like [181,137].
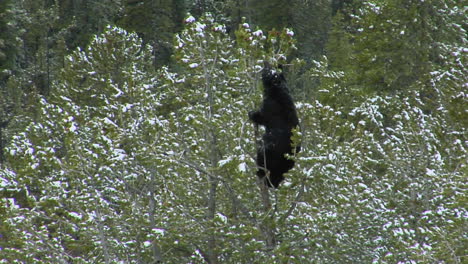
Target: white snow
[289,32]
[4,182]
[12,152]
[190,19]
[242,167]
[219,28]
[73,127]
[430,172]
[12,203]
[147,243]
[127,107]
[30,151]
[119,154]
[119,93]
[97,146]
[159,231]
[222,217]
[76,215]
[257,33]
[224,161]
[107,121]
[200,27]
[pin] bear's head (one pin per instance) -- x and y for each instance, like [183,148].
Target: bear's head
[272,79]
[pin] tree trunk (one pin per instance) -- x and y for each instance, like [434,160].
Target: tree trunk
[267,227]
[103,238]
[157,255]
[211,254]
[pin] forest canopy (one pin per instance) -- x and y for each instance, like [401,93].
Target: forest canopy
[124,131]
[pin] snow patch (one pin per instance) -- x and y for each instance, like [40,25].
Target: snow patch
[190,19]
[257,33]
[30,151]
[107,121]
[119,154]
[73,127]
[430,172]
[223,162]
[242,167]
[219,28]
[147,243]
[200,27]
[76,215]
[159,231]
[222,217]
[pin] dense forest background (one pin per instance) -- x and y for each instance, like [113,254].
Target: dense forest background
[124,135]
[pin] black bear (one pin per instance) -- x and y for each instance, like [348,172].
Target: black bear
[278,115]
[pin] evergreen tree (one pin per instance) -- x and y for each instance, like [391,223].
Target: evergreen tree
[128,174]
[8,41]
[396,43]
[156,22]
[124,163]
[67,169]
[311,21]
[406,167]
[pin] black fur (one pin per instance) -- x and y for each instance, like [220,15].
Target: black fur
[278,115]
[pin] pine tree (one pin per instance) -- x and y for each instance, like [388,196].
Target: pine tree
[155,22]
[402,164]
[67,170]
[8,42]
[136,166]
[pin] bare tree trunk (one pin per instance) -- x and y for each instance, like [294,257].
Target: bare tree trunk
[1,144]
[214,156]
[212,256]
[267,227]
[102,237]
[157,255]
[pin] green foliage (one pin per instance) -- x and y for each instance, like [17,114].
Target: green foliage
[8,41]
[155,22]
[380,193]
[105,165]
[395,43]
[339,47]
[215,93]
[385,169]
[123,163]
